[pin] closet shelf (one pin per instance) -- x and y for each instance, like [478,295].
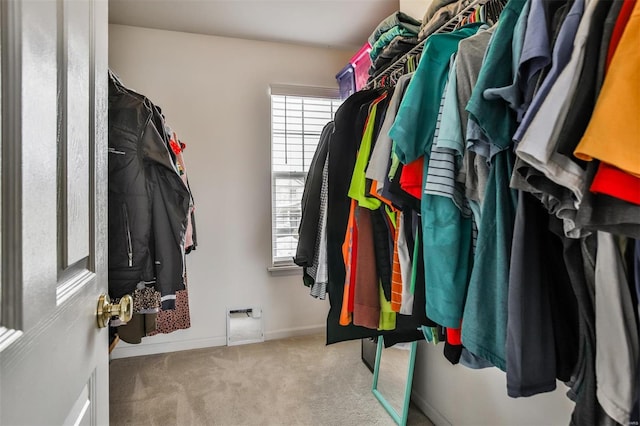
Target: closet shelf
[449,26]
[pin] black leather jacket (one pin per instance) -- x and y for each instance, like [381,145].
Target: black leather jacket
[148,202]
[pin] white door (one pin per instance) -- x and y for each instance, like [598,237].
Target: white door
[53,357]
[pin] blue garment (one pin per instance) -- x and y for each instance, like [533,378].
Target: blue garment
[478,142]
[561,55]
[536,53]
[470,360]
[450,133]
[474,170]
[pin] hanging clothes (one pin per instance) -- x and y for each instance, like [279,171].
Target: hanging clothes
[144,227]
[150,210]
[349,122]
[522,236]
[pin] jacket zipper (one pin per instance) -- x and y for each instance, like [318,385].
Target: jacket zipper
[128,235]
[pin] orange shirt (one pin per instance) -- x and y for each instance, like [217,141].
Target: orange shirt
[613,135]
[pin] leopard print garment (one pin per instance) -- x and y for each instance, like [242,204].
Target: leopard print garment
[146,300]
[177,319]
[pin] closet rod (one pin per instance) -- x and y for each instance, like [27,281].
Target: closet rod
[449,26]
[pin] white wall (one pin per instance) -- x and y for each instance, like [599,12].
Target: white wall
[214,94]
[456,395]
[414,8]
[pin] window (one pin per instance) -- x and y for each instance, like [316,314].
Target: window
[298,115]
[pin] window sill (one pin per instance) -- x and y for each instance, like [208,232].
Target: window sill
[285,270]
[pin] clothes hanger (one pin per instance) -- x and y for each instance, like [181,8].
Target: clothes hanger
[114,77]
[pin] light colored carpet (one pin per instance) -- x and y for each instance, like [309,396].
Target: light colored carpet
[295,381]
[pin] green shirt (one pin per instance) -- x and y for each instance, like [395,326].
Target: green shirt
[357,188]
[446,235]
[494,116]
[484,328]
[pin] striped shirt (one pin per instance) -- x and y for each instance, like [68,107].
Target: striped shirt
[445,162]
[443,168]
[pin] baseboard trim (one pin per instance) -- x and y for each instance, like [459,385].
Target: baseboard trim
[293,332]
[127,350]
[434,415]
[124,350]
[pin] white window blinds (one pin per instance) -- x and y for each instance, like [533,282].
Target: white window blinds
[296,125]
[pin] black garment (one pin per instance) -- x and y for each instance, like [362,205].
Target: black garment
[402,197]
[138,327]
[530,344]
[398,197]
[629,255]
[148,202]
[580,255]
[607,32]
[381,113]
[308,229]
[555,12]
[542,328]
[349,124]
[605,213]
[394,50]
[194,233]
[635,267]
[452,352]
[405,331]
[564,304]
[409,217]
[419,293]
[584,100]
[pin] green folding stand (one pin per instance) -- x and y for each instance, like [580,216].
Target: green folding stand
[399,418]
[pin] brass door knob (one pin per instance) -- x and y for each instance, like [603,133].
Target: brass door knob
[106,310]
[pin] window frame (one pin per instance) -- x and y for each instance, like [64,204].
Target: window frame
[333,94]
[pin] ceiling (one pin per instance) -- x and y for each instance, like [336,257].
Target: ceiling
[342,24]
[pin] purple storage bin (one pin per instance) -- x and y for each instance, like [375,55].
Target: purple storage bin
[346,81]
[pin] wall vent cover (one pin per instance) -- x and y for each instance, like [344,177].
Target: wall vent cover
[244,325]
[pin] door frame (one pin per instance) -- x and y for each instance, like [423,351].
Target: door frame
[11,312]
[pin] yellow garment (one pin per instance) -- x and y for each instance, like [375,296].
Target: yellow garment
[387,316]
[613,134]
[357,188]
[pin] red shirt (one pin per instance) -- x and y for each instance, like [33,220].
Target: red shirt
[411,178]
